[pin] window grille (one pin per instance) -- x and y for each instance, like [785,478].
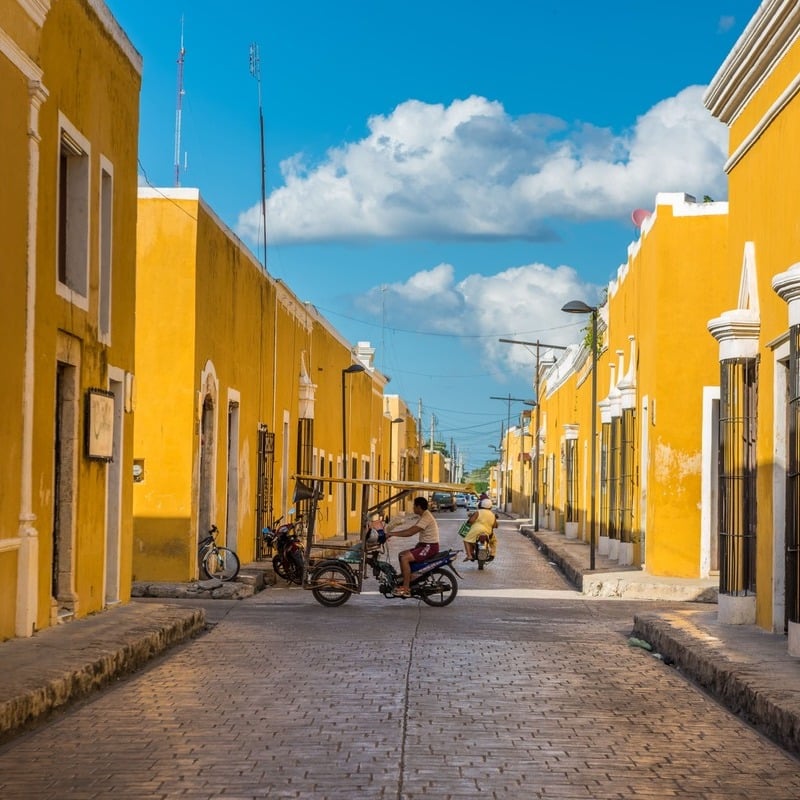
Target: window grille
[793,482]
[626,474]
[571,459]
[613,478]
[737,476]
[266,461]
[605,439]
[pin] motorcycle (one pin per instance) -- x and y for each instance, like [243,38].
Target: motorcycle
[483,550]
[288,560]
[432,581]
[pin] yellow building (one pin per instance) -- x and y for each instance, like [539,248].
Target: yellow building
[657,402]
[241,386]
[757,326]
[69,128]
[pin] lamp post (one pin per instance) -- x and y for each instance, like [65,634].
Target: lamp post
[537,344]
[346,371]
[579,307]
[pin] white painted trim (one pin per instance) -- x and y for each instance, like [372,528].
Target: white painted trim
[106,167]
[63,290]
[708,451]
[779,445]
[37,10]
[19,58]
[644,466]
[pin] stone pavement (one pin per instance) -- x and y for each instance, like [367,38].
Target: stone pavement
[747,669]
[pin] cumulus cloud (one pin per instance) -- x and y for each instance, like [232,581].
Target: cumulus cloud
[471,171]
[482,308]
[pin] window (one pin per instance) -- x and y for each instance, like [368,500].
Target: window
[737,475]
[73,215]
[626,475]
[106,249]
[571,463]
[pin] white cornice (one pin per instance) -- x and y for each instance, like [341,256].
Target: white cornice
[771,31]
[118,34]
[14,53]
[36,10]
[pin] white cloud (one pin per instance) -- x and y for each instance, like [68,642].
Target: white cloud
[469,170]
[483,308]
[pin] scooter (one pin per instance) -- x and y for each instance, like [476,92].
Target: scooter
[288,561]
[334,580]
[483,553]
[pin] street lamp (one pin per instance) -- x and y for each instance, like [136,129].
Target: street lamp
[579,307]
[346,371]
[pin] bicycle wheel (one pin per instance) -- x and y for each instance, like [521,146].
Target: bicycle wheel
[221,563]
[332,584]
[439,588]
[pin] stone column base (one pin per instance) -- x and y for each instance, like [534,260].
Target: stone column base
[625,553]
[571,530]
[613,549]
[736,610]
[794,639]
[602,546]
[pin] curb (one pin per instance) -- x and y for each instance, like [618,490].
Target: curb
[126,638]
[731,683]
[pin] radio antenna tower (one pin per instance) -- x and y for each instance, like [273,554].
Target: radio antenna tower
[255,71]
[178,109]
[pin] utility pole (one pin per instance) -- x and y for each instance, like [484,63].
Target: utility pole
[503,449]
[179,111]
[537,344]
[255,71]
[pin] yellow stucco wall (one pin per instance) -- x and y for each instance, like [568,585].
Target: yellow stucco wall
[80,66]
[229,336]
[764,211]
[654,302]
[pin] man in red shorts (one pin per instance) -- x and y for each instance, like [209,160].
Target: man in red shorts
[427,546]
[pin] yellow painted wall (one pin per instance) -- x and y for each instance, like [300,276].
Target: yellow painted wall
[764,210]
[86,68]
[252,339]
[654,299]
[167,386]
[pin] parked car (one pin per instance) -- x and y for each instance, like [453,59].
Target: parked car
[442,501]
[472,502]
[461,500]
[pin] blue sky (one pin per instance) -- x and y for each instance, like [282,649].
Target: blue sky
[439,175]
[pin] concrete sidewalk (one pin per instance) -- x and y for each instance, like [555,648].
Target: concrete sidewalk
[747,669]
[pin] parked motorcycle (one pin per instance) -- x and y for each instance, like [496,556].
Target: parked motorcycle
[432,581]
[288,559]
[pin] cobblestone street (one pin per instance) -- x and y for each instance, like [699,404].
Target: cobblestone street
[521,688]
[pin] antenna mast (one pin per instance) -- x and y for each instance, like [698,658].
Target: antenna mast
[255,71]
[178,109]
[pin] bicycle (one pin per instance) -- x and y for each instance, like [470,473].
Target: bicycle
[215,561]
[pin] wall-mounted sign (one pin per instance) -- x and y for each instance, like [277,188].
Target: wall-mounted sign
[99,424]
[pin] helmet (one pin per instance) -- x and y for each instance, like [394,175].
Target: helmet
[486,503]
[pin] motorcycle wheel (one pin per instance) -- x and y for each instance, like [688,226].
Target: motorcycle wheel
[481,562]
[280,571]
[332,584]
[438,588]
[295,567]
